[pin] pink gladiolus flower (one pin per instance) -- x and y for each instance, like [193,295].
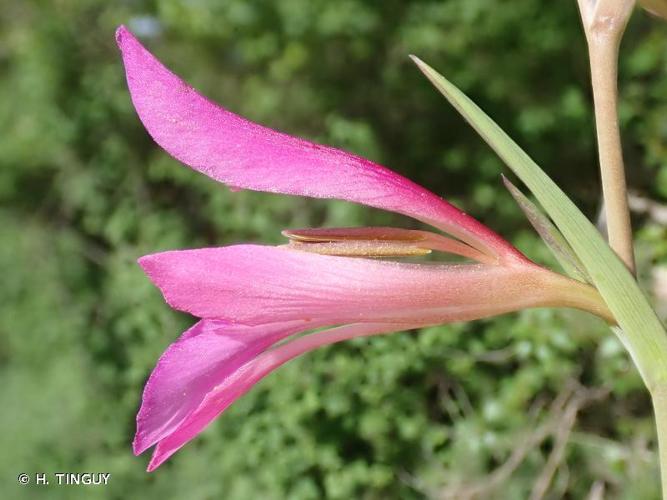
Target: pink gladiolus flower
[250,298]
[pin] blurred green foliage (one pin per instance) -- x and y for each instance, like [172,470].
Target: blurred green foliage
[84,192]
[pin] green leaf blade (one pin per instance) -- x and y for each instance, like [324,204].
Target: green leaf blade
[644,334]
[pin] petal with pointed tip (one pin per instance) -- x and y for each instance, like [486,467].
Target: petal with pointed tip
[236,384]
[244,154]
[254,284]
[190,368]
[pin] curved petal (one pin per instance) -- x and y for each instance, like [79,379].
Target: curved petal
[192,366]
[254,285]
[243,154]
[239,382]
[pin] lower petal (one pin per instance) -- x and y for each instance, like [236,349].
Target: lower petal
[192,366]
[236,384]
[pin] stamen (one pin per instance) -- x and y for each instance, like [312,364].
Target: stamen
[322,234]
[362,248]
[379,242]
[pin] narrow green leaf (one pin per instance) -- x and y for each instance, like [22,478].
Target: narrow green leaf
[644,335]
[550,234]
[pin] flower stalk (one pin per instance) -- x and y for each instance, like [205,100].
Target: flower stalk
[604,24]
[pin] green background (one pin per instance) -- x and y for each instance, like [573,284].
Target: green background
[464,409]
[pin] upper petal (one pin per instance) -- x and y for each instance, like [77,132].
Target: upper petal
[244,154]
[254,284]
[203,357]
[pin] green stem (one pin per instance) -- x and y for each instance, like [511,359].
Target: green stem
[659,397]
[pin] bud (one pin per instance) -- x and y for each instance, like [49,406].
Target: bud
[606,17]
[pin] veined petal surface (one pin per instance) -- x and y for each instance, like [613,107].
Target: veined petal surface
[191,367]
[243,154]
[253,284]
[239,382]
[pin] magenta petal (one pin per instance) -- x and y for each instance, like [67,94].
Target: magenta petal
[191,367]
[254,285]
[244,154]
[244,378]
